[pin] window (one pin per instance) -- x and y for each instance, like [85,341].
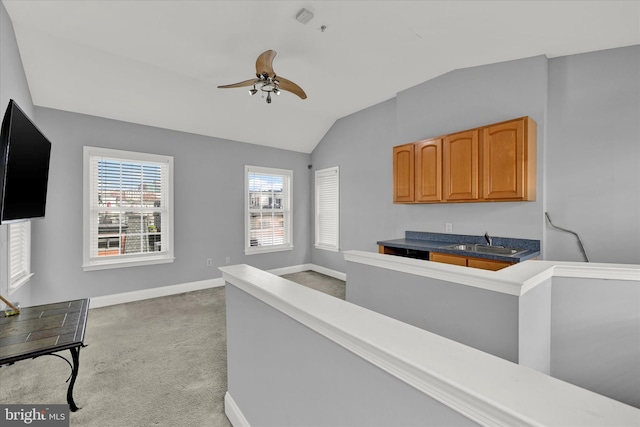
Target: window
[19,254]
[328,209]
[268,210]
[128,209]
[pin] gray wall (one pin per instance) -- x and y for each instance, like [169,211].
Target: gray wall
[534,328]
[282,373]
[586,107]
[362,145]
[593,155]
[588,136]
[595,336]
[482,319]
[582,331]
[209,202]
[13,85]
[208,211]
[13,82]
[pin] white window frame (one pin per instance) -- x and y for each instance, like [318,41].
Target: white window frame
[286,209]
[18,255]
[327,209]
[90,208]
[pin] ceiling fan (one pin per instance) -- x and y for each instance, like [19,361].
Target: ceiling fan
[266,79]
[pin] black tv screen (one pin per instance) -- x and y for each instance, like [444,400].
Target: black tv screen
[24,167]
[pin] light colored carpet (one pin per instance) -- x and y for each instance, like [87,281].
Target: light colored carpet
[157,362]
[319,282]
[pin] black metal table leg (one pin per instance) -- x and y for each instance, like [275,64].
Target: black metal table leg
[75,355]
[21,337]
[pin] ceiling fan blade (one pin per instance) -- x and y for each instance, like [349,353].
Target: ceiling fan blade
[240,84]
[264,63]
[290,86]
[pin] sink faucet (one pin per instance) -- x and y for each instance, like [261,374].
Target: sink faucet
[488,238]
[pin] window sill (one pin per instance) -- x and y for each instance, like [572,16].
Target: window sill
[267,249]
[327,248]
[138,262]
[19,283]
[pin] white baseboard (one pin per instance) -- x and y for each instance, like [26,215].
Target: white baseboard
[292,269]
[232,411]
[329,272]
[306,267]
[163,291]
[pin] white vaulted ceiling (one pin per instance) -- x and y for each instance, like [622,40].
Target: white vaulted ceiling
[159,62]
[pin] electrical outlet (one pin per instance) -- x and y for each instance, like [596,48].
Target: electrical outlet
[448,227]
[209,262]
[227,260]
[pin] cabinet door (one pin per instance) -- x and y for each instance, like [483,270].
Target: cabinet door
[428,184]
[507,162]
[460,167]
[403,173]
[448,259]
[487,264]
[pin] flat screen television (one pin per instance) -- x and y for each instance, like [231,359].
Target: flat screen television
[24,167]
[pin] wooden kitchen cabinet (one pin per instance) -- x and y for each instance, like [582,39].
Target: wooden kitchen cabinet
[487,164]
[448,259]
[460,169]
[428,170]
[509,160]
[485,264]
[464,261]
[403,173]
[417,172]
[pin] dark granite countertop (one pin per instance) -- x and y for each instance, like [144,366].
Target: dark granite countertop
[436,242]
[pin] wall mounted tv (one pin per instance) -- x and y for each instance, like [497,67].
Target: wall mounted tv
[24,167]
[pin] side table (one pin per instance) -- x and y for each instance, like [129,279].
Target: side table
[44,330]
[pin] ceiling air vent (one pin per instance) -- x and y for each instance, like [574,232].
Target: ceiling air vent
[304,16]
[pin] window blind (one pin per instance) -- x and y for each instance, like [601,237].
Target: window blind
[129,212]
[327,223]
[19,253]
[268,209]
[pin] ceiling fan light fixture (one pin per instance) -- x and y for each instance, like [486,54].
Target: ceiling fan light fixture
[253,91]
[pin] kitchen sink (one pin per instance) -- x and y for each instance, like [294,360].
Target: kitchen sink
[485,249]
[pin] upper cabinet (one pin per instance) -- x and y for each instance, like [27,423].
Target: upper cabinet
[428,170]
[417,172]
[509,160]
[403,173]
[491,163]
[461,166]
